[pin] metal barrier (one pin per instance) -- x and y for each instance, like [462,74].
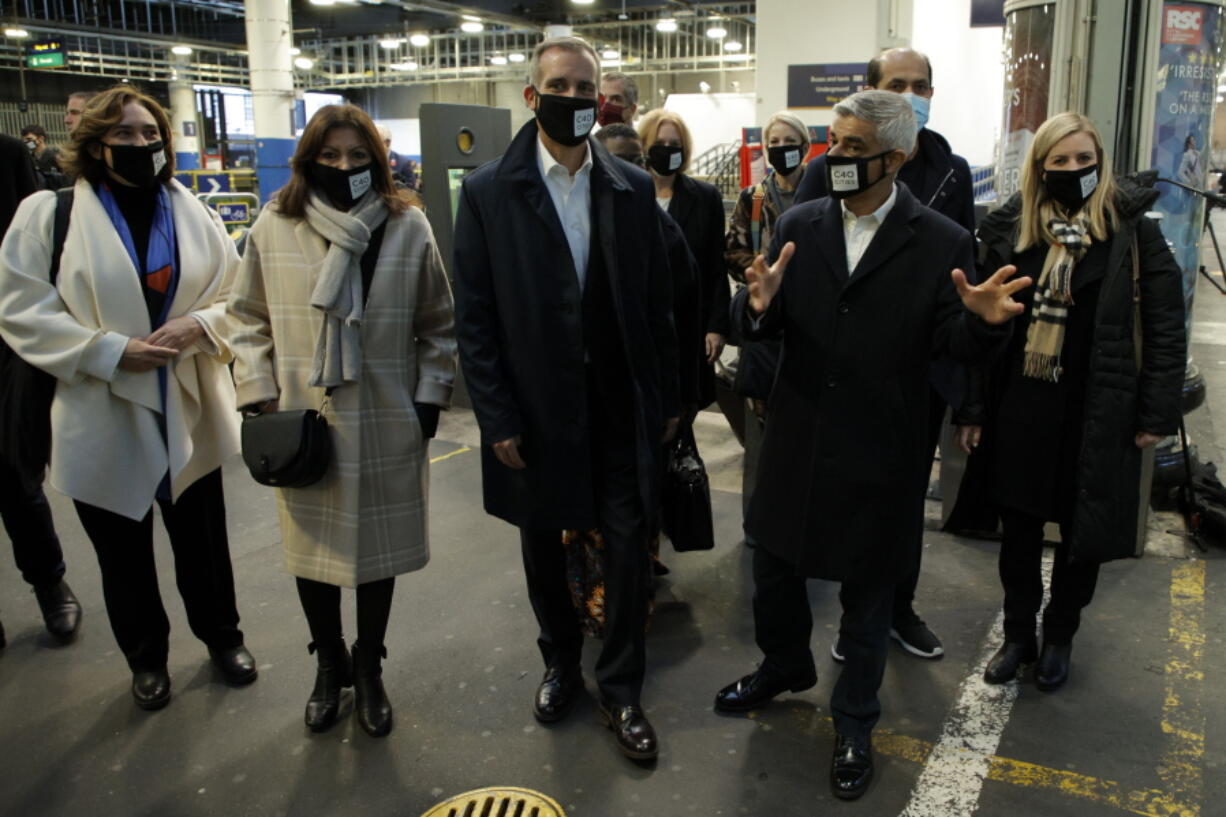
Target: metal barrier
[236,209]
[721,166]
[218,181]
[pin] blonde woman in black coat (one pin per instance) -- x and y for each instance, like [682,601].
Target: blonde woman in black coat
[1068,409]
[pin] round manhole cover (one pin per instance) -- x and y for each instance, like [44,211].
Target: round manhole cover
[498,801]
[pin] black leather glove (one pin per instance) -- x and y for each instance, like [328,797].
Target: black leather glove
[427,415]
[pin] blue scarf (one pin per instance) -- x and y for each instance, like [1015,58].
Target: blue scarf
[160,273]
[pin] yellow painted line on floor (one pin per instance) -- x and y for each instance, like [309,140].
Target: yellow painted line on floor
[450,454]
[1147,802]
[1183,725]
[1183,720]
[1103,792]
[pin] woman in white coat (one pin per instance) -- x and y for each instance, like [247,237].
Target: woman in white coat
[132,331]
[342,289]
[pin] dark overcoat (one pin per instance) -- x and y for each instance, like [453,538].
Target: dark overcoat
[1119,400]
[519,326]
[698,208]
[940,179]
[844,461]
[687,311]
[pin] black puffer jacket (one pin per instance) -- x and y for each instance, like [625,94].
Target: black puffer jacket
[1119,401]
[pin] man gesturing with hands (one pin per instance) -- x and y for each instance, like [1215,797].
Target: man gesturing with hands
[865,286]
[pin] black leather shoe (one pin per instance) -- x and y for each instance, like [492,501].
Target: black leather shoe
[370,701]
[557,693]
[758,688]
[1052,670]
[236,664]
[335,672]
[635,737]
[61,610]
[852,769]
[1003,666]
[151,689]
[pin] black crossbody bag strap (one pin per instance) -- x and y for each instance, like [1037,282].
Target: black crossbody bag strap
[63,212]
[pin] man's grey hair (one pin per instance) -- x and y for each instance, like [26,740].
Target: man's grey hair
[576,45]
[630,88]
[889,112]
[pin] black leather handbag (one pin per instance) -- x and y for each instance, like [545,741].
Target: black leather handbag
[286,449]
[685,503]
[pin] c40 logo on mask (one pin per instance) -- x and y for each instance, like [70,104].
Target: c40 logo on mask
[584,121]
[844,177]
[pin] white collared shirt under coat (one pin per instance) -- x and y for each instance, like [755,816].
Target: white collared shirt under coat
[107,449]
[366,519]
[572,198]
[858,231]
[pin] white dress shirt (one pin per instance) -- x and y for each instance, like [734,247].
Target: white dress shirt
[858,231]
[572,199]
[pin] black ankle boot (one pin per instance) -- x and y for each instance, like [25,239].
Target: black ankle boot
[373,708]
[1052,670]
[334,673]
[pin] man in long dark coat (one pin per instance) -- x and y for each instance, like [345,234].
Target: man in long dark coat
[872,293]
[940,179]
[563,297]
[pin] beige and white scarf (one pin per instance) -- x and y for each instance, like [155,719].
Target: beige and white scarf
[338,290]
[1052,298]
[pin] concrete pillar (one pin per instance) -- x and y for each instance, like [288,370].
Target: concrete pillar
[183,118]
[272,91]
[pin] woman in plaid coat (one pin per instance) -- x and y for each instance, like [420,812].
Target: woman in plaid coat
[342,298]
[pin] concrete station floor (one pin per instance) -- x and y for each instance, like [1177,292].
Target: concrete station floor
[1138,729]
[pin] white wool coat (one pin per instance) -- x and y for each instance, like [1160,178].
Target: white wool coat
[366,519]
[106,447]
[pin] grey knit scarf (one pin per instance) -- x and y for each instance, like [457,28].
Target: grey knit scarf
[338,290]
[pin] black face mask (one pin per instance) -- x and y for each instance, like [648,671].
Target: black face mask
[342,187]
[665,160]
[138,165]
[566,120]
[848,175]
[785,158]
[1071,188]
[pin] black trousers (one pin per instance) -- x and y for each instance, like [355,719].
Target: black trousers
[624,527]
[27,520]
[783,624]
[904,591]
[196,525]
[1072,585]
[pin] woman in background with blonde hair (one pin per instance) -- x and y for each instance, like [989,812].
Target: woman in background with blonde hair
[698,208]
[1070,406]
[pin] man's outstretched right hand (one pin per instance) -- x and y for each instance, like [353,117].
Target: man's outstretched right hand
[764,281]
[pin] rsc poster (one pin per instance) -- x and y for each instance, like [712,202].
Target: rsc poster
[1188,64]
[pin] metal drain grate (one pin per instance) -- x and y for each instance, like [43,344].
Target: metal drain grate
[498,801]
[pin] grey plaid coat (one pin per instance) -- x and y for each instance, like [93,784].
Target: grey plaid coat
[366,519]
